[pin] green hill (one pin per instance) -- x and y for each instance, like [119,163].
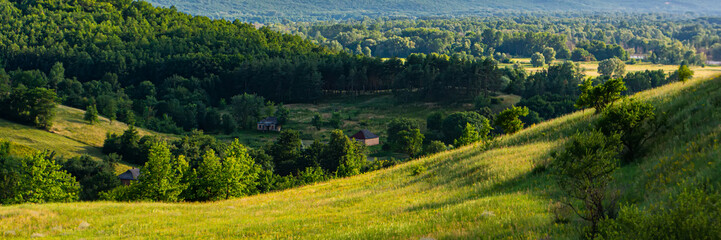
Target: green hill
[464,193]
[70,135]
[276,10]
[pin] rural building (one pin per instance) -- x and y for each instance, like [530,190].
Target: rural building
[128,176]
[637,56]
[269,124]
[366,137]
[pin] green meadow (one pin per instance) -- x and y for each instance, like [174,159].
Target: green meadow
[494,190]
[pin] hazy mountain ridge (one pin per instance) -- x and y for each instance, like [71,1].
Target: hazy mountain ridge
[306,10]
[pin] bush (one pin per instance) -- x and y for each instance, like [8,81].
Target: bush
[634,121]
[692,214]
[509,120]
[583,171]
[94,176]
[434,147]
[418,170]
[601,95]
[454,125]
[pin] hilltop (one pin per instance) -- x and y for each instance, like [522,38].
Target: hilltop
[277,10]
[498,191]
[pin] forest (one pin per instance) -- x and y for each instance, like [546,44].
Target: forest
[527,118]
[316,10]
[171,72]
[660,38]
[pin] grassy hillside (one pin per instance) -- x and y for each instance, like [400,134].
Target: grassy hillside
[70,135]
[276,10]
[465,193]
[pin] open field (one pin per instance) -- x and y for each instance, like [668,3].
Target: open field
[591,68]
[466,193]
[372,112]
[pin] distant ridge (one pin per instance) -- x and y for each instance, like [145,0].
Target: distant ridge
[265,11]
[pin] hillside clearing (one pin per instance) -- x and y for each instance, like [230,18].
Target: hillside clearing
[70,136]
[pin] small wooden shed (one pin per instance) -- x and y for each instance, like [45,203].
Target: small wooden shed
[269,124]
[128,176]
[366,137]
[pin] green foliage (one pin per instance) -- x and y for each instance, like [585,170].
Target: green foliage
[601,95]
[317,121]
[684,73]
[583,171]
[298,11]
[612,67]
[538,60]
[470,135]
[30,105]
[94,176]
[342,156]
[602,51]
[581,55]
[247,109]
[286,152]
[434,147]
[418,170]
[335,121]
[639,81]
[435,121]
[549,55]
[161,177]
[39,179]
[395,126]
[509,121]
[691,214]
[239,173]
[130,146]
[410,142]
[283,114]
[205,183]
[634,121]
[481,101]
[454,126]
[91,114]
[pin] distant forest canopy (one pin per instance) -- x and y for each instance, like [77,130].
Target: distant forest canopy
[170,71]
[161,68]
[323,10]
[661,38]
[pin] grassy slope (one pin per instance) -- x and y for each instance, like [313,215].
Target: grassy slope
[465,193]
[70,135]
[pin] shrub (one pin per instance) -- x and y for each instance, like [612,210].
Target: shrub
[634,121]
[509,120]
[692,214]
[418,170]
[601,95]
[583,171]
[434,147]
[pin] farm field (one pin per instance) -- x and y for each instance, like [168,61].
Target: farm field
[591,68]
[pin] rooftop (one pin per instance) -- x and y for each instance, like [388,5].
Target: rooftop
[364,134]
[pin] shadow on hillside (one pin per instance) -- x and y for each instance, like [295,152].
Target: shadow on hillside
[529,182]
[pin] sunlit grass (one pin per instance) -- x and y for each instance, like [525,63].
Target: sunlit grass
[591,68]
[467,193]
[70,136]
